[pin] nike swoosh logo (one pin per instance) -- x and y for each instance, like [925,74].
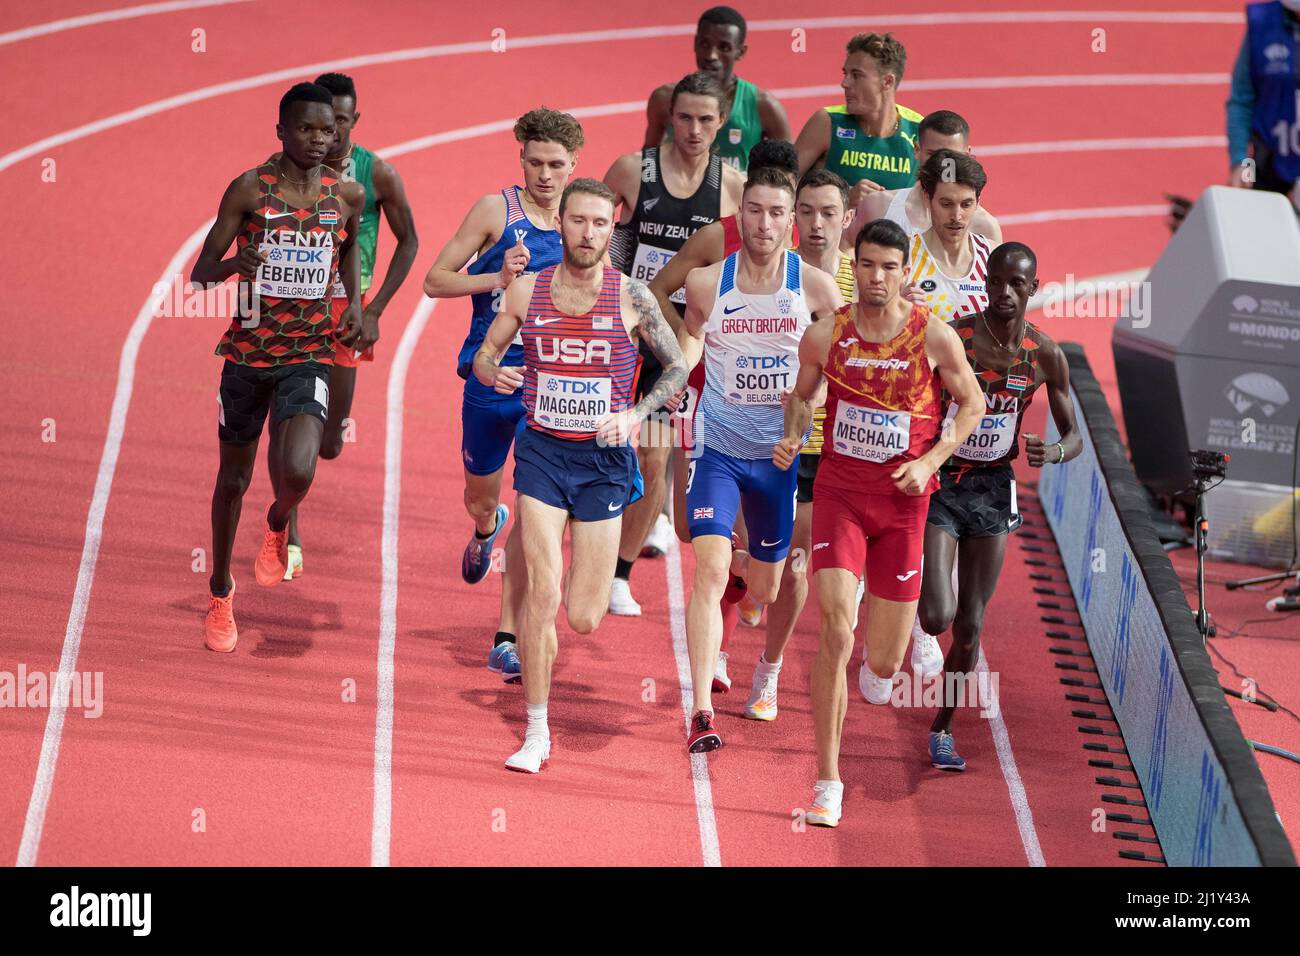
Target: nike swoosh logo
[726,311]
[545,321]
[614,506]
[771,544]
[277,215]
[905,577]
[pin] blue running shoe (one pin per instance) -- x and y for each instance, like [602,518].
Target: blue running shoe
[478,553]
[504,660]
[942,755]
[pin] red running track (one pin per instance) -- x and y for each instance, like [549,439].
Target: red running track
[261,747]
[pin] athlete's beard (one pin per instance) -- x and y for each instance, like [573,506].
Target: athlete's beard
[583,258]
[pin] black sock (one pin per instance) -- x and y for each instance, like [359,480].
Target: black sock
[224,592]
[623,569]
[502,638]
[271,526]
[483,537]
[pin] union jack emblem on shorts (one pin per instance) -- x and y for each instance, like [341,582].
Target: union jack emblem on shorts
[700,513]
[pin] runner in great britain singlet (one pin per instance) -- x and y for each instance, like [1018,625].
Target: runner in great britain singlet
[751,356]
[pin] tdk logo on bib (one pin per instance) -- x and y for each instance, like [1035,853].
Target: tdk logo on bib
[296,255]
[762,362]
[992,421]
[573,386]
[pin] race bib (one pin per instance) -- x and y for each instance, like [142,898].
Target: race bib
[991,439]
[649,260]
[871,434]
[297,271]
[757,379]
[569,404]
[686,410]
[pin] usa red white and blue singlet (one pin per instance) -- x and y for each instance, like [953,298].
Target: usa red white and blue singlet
[577,368]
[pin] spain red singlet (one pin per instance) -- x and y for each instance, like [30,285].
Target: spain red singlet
[577,368]
[290,294]
[882,405]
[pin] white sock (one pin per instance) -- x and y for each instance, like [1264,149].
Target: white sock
[765,667]
[537,726]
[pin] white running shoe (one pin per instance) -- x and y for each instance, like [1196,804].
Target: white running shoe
[927,658]
[530,757]
[877,690]
[621,601]
[827,804]
[762,698]
[857,606]
[721,682]
[293,566]
[660,538]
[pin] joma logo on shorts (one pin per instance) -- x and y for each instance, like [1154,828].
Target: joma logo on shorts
[574,351]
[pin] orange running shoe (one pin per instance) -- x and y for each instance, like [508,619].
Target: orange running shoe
[751,612]
[273,559]
[219,631]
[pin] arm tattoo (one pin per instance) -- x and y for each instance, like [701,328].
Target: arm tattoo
[656,333]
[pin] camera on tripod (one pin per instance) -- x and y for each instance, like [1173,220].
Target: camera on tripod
[1208,464]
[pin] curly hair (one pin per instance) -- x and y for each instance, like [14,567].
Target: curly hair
[550,126]
[889,54]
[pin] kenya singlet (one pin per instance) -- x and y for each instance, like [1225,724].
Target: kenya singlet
[882,405]
[577,368]
[544,249]
[751,355]
[995,440]
[290,320]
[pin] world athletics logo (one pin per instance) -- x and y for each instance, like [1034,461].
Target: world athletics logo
[1160,733]
[1123,625]
[1207,809]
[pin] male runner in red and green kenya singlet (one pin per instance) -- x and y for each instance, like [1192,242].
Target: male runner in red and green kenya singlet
[294,226]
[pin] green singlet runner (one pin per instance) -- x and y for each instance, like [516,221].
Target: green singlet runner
[889,161]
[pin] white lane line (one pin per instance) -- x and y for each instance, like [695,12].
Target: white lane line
[381,827]
[1091,212]
[602,36]
[1034,81]
[1007,761]
[1018,17]
[108,16]
[1105,145]
[44,782]
[711,852]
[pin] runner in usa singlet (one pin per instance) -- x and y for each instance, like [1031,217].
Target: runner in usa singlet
[578,369]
